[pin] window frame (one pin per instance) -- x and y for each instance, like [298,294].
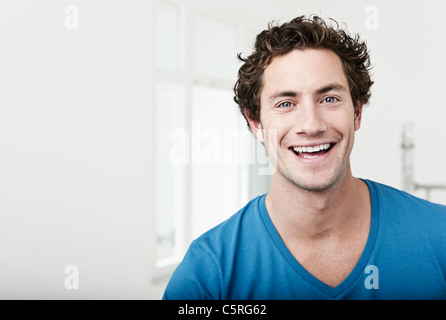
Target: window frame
[186,77]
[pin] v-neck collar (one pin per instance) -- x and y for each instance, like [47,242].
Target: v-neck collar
[312,280]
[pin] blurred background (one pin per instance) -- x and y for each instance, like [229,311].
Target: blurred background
[120,141]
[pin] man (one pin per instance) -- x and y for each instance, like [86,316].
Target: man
[319,233]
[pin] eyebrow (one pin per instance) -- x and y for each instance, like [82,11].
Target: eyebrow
[280,94]
[331,86]
[293,94]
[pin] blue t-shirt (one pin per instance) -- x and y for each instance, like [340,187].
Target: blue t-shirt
[245,258]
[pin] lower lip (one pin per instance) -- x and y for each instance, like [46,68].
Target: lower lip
[314,159]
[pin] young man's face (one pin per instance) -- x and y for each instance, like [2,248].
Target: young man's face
[308,118]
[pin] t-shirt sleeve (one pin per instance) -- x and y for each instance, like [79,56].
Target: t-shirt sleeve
[196,278]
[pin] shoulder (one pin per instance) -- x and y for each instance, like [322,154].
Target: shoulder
[195,278]
[223,235]
[406,209]
[200,274]
[413,229]
[388,195]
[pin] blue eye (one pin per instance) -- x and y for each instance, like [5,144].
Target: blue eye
[286,104]
[330,100]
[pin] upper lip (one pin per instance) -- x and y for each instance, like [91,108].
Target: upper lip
[312,144]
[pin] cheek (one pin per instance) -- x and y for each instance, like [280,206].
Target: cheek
[273,136]
[272,128]
[341,125]
[346,120]
[272,140]
[281,123]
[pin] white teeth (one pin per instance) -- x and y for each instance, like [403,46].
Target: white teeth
[312,149]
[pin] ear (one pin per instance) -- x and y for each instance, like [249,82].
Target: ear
[358,114]
[256,127]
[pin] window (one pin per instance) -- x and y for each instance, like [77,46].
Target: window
[169,117]
[217,160]
[167,36]
[203,175]
[169,106]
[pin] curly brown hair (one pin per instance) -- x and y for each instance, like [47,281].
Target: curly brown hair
[302,33]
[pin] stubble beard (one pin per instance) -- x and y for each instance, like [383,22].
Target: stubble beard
[315,181]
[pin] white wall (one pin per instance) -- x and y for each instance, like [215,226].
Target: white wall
[76,121]
[76,163]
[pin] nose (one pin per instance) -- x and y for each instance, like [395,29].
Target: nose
[309,120]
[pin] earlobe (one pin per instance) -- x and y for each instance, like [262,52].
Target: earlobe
[256,127]
[259,132]
[358,115]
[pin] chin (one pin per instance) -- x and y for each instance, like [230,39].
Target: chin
[316,182]
[313,187]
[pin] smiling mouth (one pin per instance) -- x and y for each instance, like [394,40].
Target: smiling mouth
[312,152]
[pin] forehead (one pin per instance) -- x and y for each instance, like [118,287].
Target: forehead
[304,71]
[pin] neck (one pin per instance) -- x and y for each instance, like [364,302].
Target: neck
[308,215]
